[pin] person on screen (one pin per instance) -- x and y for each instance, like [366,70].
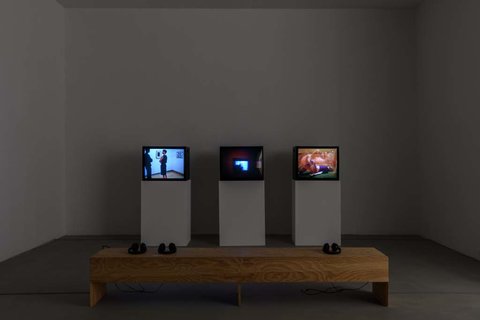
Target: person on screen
[317,162]
[163,164]
[147,164]
[314,163]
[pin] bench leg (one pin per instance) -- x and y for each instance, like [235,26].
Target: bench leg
[380,291]
[97,291]
[239,294]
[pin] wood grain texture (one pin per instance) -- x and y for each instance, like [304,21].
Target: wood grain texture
[97,291]
[240,265]
[243,252]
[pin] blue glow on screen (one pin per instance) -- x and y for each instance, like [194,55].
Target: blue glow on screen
[243,164]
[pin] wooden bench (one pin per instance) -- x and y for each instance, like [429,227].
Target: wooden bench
[239,265]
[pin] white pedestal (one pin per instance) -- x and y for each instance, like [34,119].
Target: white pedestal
[242,213]
[316,213]
[166,213]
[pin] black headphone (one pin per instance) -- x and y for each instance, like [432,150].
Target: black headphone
[163,250]
[136,248]
[334,249]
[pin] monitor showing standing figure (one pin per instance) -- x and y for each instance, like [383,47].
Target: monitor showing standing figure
[165,163]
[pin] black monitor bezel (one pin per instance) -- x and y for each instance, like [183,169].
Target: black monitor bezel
[223,178]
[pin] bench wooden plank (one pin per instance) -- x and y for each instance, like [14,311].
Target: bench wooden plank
[218,252]
[241,265]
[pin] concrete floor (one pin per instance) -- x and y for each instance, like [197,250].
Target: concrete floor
[428,281]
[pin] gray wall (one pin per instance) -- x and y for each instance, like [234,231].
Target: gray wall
[274,77]
[206,78]
[32,119]
[449,99]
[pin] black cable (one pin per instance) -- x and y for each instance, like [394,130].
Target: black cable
[132,290]
[331,289]
[135,290]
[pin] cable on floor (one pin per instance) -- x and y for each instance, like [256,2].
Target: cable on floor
[331,289]
[132,289]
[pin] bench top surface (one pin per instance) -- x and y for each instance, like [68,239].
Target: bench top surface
[245,252]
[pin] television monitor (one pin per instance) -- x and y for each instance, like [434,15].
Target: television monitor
[241,163]
[315,163]
[162,163]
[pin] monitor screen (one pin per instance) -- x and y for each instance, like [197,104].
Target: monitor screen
[162,163]
[241,163]
[316,163]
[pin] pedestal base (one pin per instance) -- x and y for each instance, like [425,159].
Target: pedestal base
[316,212]
[166,212]
[242,213]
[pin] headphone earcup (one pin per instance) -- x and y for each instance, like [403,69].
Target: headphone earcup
[133,248]
[161,248]
[333,249]
[136,248]
[326,248]
[172,248]
[336,249]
